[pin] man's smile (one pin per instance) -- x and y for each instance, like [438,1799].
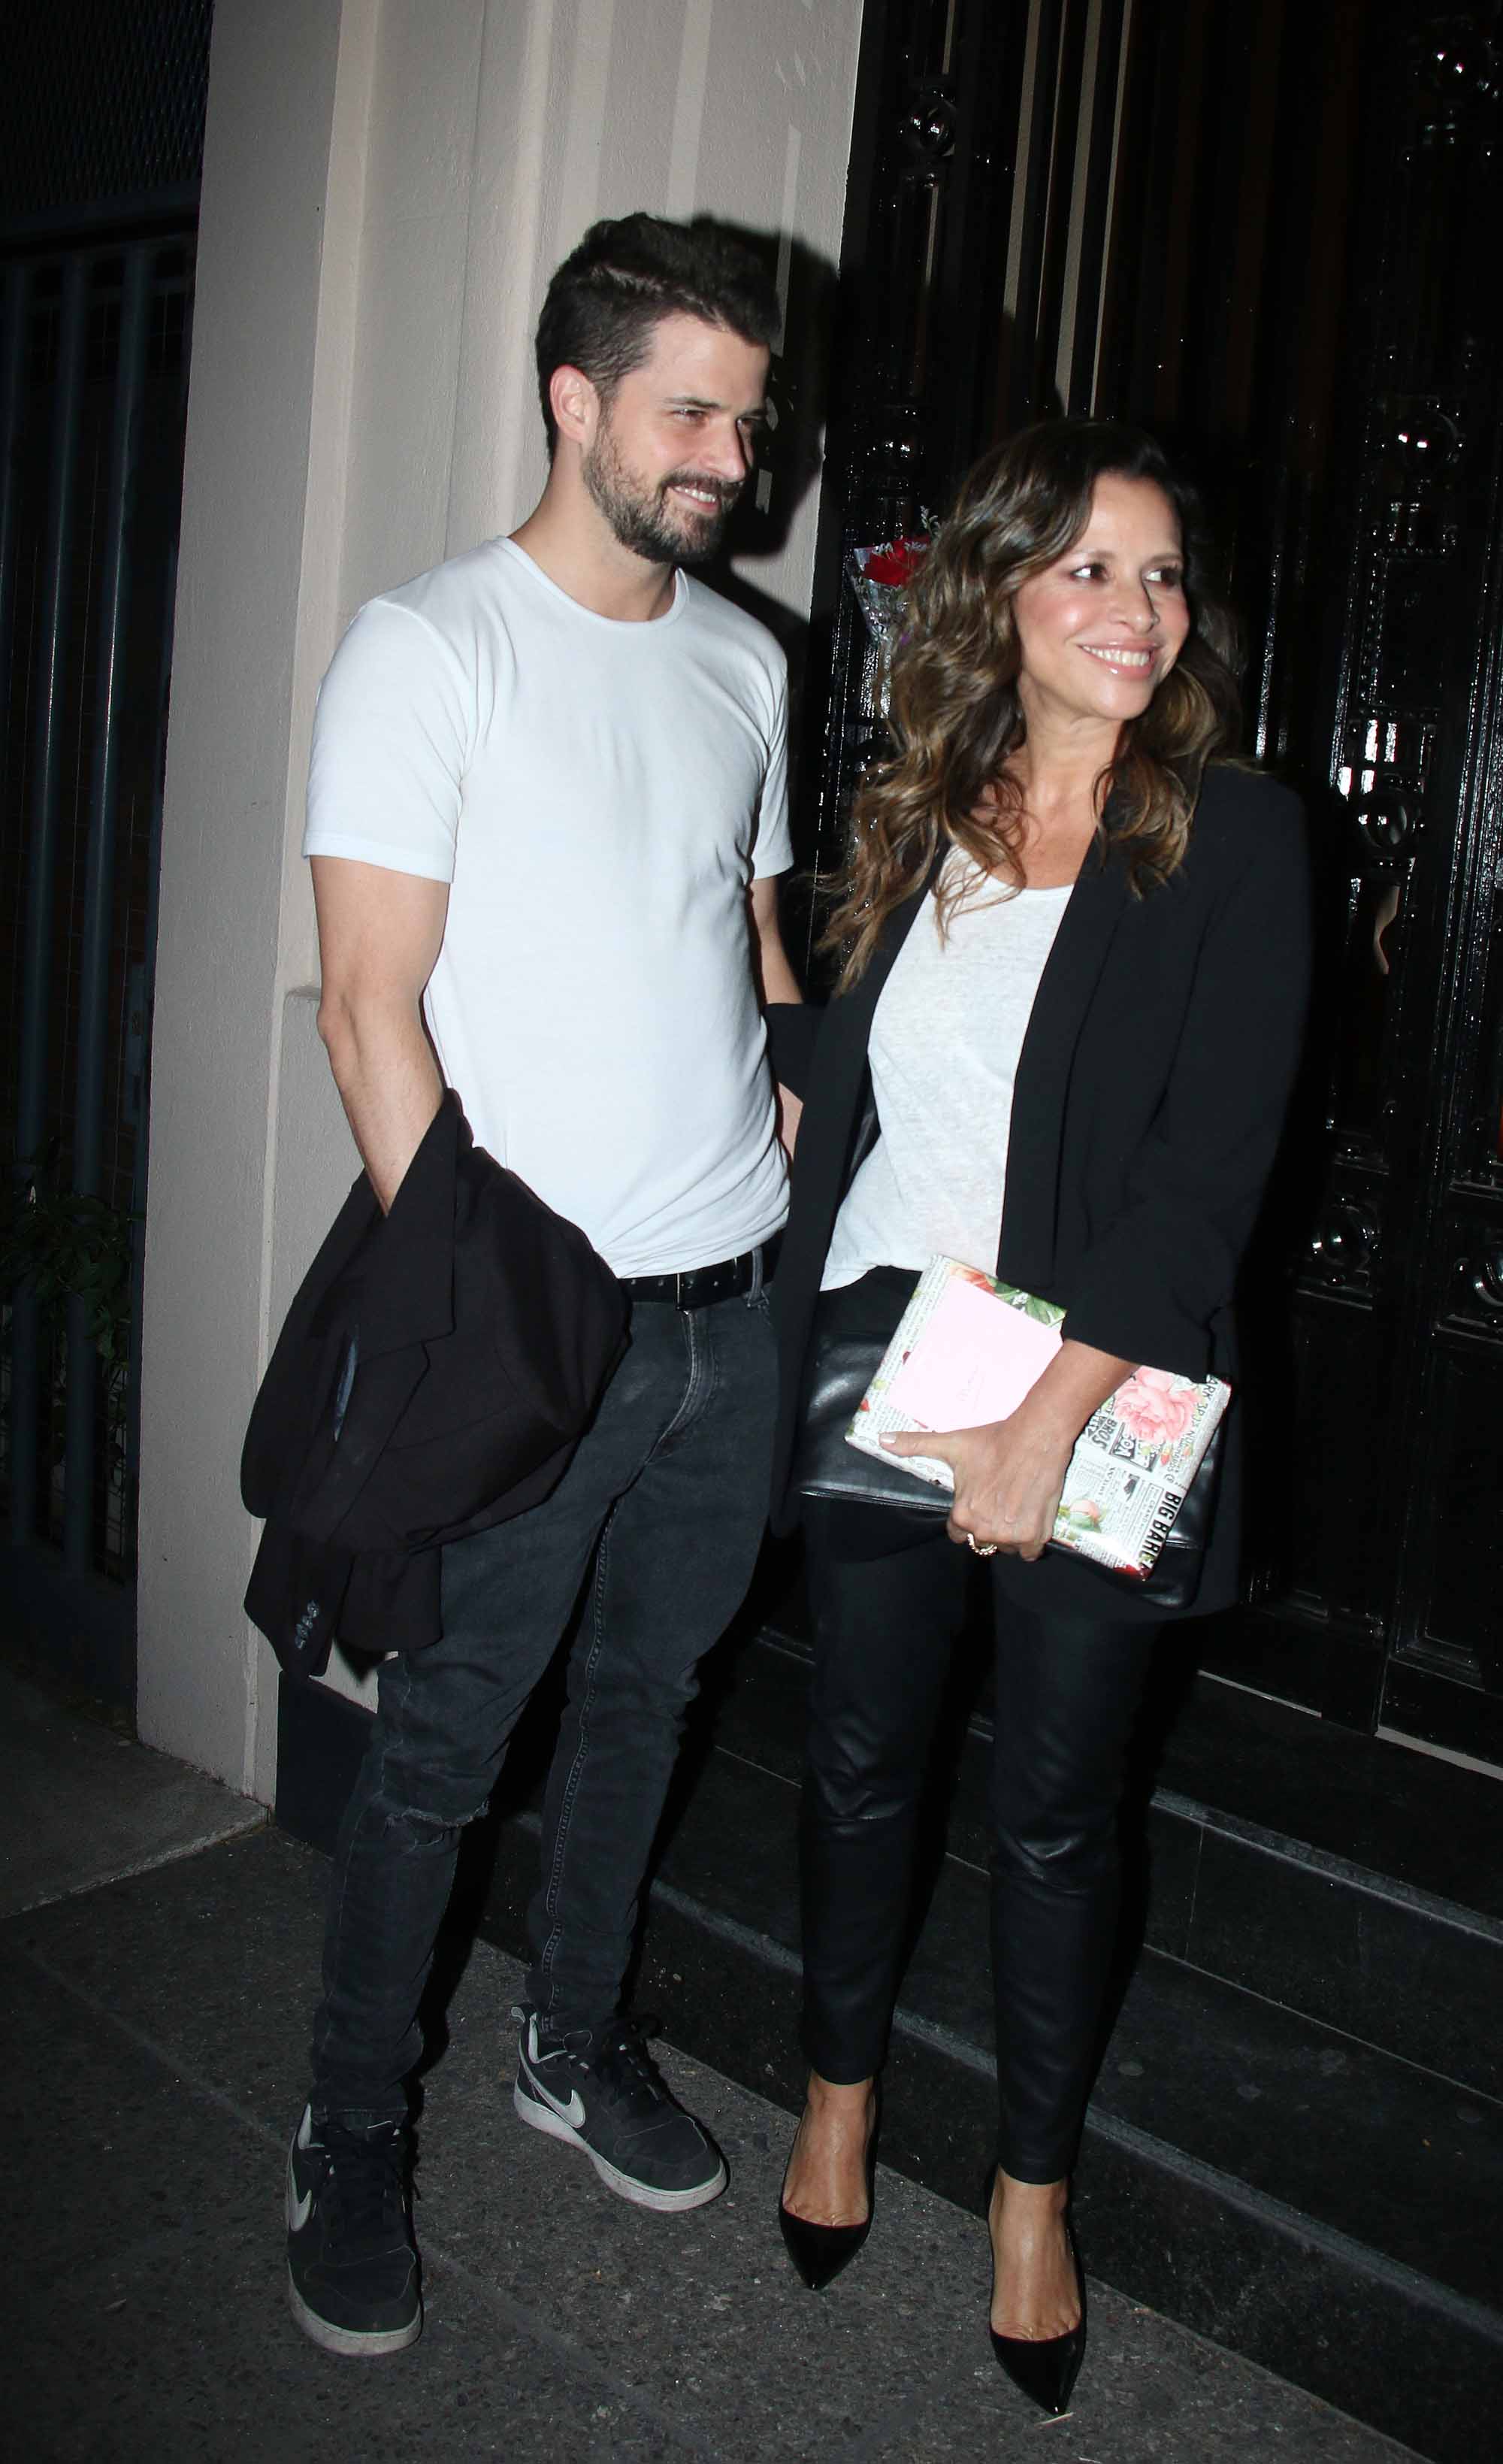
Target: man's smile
[705,495]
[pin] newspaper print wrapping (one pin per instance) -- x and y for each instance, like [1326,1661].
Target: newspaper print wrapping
[1132,1463]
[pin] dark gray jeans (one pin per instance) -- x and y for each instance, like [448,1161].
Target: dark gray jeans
[658,1520]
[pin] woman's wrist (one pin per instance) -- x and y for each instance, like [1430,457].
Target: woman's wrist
[1076,1383]
[1051,1422]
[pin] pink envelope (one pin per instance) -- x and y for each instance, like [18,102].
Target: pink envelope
[974,1362]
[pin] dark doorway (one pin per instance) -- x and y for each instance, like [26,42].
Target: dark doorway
[1266,233]
[102,134]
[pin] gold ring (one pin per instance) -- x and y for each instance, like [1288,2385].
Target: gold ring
[980,1547]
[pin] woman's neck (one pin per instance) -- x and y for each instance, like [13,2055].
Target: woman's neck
[1058,772]
[1057,767]
[1057,823]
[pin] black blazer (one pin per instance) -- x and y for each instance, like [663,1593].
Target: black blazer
[486,1328]
[1149,1098]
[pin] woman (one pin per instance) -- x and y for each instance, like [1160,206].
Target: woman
[1076,954]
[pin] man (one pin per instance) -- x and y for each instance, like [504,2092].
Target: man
[546,817]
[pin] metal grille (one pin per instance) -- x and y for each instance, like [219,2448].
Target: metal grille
[102,138]
[102,101]
[94,351]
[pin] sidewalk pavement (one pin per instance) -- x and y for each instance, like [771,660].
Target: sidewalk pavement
[155,2027]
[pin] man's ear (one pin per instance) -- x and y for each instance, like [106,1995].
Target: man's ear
[576,405]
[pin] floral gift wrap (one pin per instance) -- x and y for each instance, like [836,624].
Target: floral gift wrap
[958,1361]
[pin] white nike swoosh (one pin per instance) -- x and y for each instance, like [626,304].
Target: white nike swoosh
[298,2209]
[573,2112]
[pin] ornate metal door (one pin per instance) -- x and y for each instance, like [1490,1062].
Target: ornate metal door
[99,200]
[1268,233]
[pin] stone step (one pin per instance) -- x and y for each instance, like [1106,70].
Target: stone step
[1350,1878]
[1303,2193]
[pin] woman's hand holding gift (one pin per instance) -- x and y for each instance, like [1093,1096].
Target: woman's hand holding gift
[1009,1474]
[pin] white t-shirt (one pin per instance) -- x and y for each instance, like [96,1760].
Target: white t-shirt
[945,1038]
[599,795]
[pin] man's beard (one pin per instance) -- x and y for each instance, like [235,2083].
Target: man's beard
[642,519]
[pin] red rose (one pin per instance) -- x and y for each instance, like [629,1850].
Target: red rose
[896,561]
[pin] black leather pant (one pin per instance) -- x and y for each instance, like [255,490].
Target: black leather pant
[889,1596]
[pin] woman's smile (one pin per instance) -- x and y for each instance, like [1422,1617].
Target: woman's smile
[1131,661]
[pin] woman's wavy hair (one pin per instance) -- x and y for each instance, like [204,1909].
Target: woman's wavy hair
[955,712]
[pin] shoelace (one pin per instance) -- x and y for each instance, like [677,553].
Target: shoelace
[624,2056]
[366,2178]
[620,2051]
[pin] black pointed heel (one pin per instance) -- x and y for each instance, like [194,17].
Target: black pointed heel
[820,2251]
[1047,2370]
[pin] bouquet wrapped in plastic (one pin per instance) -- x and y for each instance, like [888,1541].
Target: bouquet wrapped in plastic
[879,577]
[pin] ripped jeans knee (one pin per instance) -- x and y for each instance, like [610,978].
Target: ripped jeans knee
[404,1818]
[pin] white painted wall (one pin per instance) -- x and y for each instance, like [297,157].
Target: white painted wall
[219,949]
[387,185]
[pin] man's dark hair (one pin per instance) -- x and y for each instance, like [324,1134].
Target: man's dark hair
[608,295]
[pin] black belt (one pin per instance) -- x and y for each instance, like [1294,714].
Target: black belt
[699,1286]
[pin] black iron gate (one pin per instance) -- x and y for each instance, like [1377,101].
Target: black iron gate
[1268,233]
[102,140]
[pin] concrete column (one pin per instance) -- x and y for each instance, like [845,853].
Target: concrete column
[243,671]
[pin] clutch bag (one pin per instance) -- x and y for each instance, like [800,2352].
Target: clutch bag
[849,1352]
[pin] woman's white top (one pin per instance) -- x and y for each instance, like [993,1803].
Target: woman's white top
[945,1038]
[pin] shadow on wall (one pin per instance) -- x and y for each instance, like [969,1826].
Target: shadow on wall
[791,460]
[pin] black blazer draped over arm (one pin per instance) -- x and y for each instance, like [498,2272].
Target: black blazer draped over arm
[1148,1103]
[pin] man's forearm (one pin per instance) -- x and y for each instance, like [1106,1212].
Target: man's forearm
[388,1083]
[779,984]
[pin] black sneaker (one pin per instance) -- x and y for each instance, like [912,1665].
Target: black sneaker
[599,2089]
[352,2263]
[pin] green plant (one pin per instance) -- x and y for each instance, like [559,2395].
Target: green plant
[59,1245]
[56,1245]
